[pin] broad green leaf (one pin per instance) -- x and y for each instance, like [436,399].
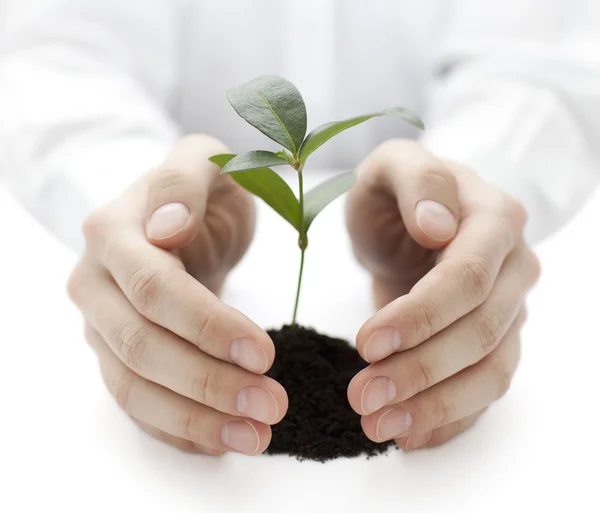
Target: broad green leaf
[322,134]
[253,160]
[274,106]
[319,197]
[268,186]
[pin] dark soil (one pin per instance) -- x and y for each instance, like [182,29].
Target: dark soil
[315,371]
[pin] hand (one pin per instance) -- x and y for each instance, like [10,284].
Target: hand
[185,366]
[450,272]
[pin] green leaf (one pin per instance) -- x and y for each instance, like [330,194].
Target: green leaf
[268,186]
[274,106]
[222,159]
[322,134]
[322,195]
[253,160]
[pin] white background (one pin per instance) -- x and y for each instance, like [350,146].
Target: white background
[64,445]
[12,11]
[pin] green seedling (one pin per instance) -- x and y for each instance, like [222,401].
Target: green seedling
[274,106]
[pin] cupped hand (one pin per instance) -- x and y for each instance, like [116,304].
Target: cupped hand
[188,368]
[450,273]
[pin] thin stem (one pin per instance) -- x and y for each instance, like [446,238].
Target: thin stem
[301,194]
[299,285]
[302,243]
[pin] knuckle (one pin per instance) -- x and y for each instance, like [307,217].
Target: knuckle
[95,225]
[75,283]
[425,169]
[88,331]
[426,320]
[206,384]
[503,234]
[489,329]
[191,424]
[132,347]
[166,178]
[440,414]
[477,279]
[421,376]
[534,265]
[388,150]
[122,390]
[169,178]
[433,176]
[145,289]
[93,339]
[522,317]
[206,338]
[502,379]
[514,209]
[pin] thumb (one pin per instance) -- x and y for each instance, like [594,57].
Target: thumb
[178,191]
[425,189]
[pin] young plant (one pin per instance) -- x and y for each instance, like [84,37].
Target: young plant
[274,106]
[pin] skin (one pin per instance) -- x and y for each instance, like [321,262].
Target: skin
[189,369]
[162,337]
[456,302]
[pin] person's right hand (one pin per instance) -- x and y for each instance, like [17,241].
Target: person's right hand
[182,364]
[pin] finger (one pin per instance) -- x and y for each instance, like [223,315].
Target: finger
[438,436]
[457,397]
[464,343]
[95,340]
[425,190]
[160,289]
[164,358]
[157,285]
[460,281]
[178,443]
[178,191]
[176,415]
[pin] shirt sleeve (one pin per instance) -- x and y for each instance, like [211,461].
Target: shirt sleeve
[517,97]
[86,102]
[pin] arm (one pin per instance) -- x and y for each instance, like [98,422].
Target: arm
[517,97]
[84,96]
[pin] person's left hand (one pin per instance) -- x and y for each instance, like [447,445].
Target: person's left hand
[450,272]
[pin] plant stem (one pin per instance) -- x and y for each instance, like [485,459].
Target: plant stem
[299,285]
[302,243]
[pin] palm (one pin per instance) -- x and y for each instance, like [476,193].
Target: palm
[383,245]
[223,237]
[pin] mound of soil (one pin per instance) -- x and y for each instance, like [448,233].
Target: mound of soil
[315,370]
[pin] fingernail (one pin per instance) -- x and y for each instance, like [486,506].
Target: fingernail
[418,440]
[248,354]
[435,220]
[381,344]
[167,220]
[259,404]
[393,423]
[377,393]
[241,436]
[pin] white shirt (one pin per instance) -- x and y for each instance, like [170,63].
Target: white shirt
[94,92]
